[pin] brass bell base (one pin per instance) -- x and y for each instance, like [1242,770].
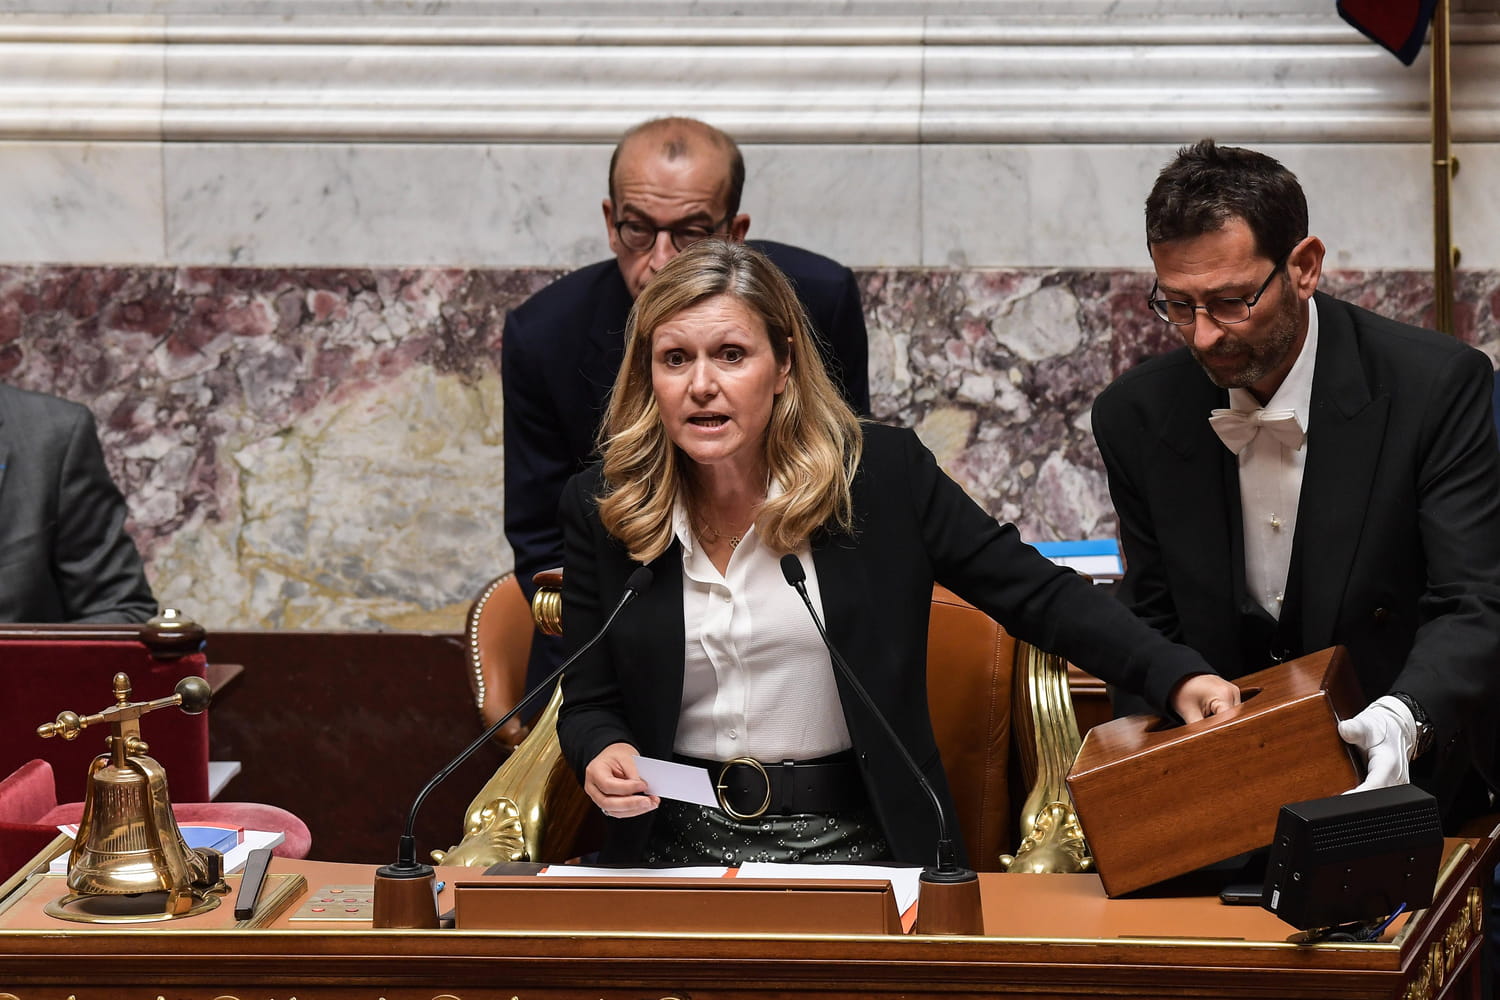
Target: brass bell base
[140,908]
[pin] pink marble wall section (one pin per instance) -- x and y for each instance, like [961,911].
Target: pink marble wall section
[299,448]
[322,448]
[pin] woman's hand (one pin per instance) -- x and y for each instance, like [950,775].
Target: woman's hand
[612,782]
[1202,695]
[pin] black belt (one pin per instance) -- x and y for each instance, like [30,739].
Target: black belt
[748,789]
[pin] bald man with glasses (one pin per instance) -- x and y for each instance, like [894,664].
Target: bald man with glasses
[1303,473]
[672,182]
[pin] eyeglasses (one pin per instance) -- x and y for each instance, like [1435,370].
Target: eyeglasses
[640,236]
[1227,311]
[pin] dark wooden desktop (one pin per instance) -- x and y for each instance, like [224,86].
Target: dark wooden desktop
[1046,936]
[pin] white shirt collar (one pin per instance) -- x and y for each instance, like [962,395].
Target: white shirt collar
[1295,392]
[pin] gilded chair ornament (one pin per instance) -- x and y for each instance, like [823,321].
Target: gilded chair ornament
[1051,837]
[529,810]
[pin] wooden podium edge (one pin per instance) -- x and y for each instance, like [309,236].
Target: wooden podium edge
[61,844]
[858,906]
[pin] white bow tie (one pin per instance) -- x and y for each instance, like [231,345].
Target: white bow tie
[1237,428]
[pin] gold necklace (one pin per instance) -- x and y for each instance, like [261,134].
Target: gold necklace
[734,540]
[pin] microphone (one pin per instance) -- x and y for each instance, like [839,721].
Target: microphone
[949,893]
[404,891]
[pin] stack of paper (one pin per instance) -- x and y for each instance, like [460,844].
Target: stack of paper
[232,842]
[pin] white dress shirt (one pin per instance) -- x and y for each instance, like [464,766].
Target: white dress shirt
[757,679]
[1271,480]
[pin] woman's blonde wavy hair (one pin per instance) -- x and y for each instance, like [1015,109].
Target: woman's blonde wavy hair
[812,443]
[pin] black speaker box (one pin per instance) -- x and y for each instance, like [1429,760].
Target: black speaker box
[1353,857]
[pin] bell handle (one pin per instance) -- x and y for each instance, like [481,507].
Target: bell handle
[192,694]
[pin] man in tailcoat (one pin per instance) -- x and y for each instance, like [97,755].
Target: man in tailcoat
[1304,473]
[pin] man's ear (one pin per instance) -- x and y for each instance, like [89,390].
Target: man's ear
[609,222]
[738,227]
[1304,266]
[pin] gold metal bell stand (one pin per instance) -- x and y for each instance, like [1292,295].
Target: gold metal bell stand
[129,862]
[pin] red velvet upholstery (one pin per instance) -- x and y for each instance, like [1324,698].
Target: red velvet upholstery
[25,796]
[30,816]
[43,678]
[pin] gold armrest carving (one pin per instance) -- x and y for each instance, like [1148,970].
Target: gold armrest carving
[1055,844]
[532,807]
[1052,839]
[529,810]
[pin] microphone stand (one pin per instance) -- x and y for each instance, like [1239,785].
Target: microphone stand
[406,892]
[948,895]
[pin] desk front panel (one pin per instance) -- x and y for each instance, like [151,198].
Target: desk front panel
[1116,948]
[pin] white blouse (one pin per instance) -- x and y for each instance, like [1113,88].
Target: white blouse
[757,679]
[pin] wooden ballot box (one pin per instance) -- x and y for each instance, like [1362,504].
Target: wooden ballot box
[1157,801]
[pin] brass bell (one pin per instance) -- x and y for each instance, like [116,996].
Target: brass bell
[129,861]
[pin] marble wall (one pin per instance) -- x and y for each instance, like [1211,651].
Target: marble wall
[272,242]
[321,448]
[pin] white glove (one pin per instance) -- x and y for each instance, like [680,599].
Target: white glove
[1386,732]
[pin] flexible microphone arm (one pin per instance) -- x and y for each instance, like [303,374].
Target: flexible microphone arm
[947,857]
[406,852]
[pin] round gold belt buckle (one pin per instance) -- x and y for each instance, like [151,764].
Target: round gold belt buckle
[720,788]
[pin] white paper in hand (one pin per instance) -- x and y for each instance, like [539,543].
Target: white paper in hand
[671,780]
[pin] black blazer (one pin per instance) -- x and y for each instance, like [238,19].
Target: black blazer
[1496,402]
[1397,552]
[561,350]
[64,553]
[914,526]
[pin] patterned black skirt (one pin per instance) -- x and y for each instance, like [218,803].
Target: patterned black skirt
[688,834]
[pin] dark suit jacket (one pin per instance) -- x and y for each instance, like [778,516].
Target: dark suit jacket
[1497,401]
[914,526]
[64,553]
[1397,552]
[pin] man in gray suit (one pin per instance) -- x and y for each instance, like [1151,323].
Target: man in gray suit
[64,552]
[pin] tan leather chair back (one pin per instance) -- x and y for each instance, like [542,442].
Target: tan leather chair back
[497,638]
[970,665]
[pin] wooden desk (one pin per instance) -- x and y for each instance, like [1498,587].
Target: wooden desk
[1047,936]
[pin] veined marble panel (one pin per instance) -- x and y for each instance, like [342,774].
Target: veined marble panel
[81,202]
[90,80]
[665,8]
[322,448]
[994,9]
[473,132]
[398,205]
[385,204]
[1098,74]
[502,205]
[859,204]
[459,89]
[1084,205]
[316,449]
